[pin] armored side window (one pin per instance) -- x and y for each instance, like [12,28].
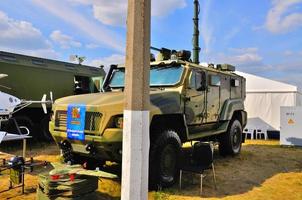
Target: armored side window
[193,80]
[38,62]
[215,80]
[198,80]
[8,57]
[235,83]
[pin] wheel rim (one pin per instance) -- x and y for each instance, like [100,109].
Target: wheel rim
[236,141]
[168,163]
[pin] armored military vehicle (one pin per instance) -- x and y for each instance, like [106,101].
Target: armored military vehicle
[188,102]
[30,77]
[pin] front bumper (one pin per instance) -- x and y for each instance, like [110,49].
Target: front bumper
[106,147]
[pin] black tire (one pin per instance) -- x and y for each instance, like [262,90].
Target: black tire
[163,163]
[44,126]
[230,142]
[68,157]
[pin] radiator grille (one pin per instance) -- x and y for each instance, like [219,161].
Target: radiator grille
[61,118]
[92,120]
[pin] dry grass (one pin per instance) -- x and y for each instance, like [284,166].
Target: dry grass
[263,170]
[40,152]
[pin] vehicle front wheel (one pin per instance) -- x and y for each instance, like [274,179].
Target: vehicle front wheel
[231,141]
[163,163]
[44,126]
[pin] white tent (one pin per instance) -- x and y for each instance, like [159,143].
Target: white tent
[264,98]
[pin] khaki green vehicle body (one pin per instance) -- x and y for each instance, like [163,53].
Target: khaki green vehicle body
[195,114]
[30,77]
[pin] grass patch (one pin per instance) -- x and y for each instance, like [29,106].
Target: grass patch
[161,196]
[263,170]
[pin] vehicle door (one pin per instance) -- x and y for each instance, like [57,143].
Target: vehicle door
[213,96]
[195,107]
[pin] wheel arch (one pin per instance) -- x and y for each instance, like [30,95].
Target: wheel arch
[174,122]
[234,108]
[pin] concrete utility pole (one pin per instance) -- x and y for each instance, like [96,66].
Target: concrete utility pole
[136,113]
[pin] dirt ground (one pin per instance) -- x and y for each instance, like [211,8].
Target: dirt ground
[263,170]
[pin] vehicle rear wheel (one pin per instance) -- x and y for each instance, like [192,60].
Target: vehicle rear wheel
[231,141]
[25,125]
[163,163]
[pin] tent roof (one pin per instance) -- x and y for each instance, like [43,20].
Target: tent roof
[260,84]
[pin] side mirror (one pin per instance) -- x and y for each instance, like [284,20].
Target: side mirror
[202,86]
[201,81]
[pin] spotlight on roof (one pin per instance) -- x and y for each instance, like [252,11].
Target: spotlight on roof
[77,58]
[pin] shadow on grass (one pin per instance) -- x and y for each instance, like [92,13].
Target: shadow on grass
[235,174]
[33,148]
[240,174]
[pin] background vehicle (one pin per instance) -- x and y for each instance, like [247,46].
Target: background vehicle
[31,77]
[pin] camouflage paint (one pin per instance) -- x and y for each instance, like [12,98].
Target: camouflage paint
[206,112]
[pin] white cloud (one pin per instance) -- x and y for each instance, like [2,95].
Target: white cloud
[280,19]
[290,72]
[110,12]
[288,53]
[207,28]
[96,31]
[22,37]
[20,34]
[245,59]
[241,56]
[107,61]
[163,8]
[244,50]
[65,41]
[292,54]
[92,46]
[115,12]
[249,60]
[294,79]
[230,35]
[43,53]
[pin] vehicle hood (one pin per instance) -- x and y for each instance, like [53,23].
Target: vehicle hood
[95,99]
[165,101]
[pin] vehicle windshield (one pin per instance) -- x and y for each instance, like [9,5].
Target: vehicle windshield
[166,75]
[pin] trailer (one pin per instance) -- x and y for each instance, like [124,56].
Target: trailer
[29,77]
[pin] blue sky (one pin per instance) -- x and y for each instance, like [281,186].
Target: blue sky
[261,37]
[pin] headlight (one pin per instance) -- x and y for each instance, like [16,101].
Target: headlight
[118,122]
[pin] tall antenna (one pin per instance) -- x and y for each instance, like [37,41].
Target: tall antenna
[196,48]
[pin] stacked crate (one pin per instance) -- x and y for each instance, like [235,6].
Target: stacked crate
[67,187]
